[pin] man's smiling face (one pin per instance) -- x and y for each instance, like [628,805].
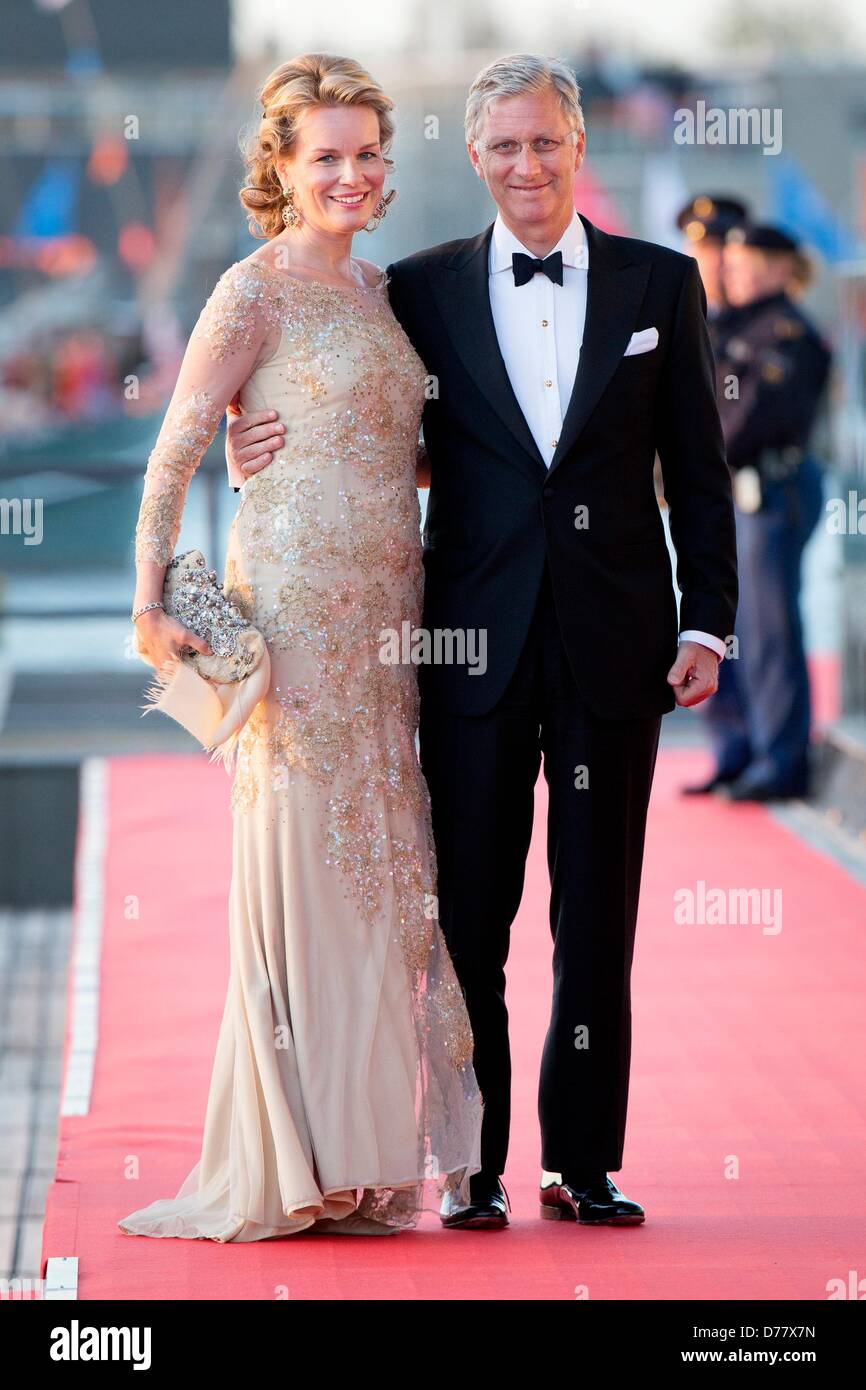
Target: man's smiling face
[531,184]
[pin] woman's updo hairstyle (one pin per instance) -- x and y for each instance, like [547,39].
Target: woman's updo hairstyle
[313,79]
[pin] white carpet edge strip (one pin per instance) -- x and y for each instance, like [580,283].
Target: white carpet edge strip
[87,937]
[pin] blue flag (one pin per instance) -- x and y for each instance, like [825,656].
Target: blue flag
[804,211]
[49,209]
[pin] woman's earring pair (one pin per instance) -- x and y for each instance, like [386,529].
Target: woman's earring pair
[292,218]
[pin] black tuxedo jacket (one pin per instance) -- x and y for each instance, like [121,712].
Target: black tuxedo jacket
[495,511]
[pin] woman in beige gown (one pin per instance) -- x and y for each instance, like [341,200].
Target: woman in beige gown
[342,1090]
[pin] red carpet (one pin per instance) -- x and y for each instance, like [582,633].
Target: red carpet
[748,1060]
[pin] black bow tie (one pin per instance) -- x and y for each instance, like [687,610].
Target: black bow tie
[525,267]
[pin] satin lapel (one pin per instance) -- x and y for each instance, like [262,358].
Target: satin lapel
[614,292]
[462,296]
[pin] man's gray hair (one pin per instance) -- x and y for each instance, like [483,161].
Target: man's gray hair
[522,72]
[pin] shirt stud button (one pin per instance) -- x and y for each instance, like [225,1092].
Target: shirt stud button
[548,382]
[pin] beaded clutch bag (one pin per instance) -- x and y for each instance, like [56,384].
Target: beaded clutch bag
[192,594]
[211,696]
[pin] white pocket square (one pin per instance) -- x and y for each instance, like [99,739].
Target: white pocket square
[643,341]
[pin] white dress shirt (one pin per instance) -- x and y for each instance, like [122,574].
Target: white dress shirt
[539,327]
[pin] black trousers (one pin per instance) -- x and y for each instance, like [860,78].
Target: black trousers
[481,771]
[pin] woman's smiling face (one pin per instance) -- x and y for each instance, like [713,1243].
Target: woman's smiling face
[336,167]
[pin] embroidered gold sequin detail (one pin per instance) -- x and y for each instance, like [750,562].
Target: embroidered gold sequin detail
[232,315]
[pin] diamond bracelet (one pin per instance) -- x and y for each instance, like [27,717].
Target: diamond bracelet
[147,607]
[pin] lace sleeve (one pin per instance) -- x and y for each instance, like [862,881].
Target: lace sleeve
[229,338]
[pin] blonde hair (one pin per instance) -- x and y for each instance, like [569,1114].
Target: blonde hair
[522,72]
[312,79]
[802,273]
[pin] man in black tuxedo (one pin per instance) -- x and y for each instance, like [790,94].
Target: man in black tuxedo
[564,359]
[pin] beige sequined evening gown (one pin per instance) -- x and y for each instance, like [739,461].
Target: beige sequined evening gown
[343,1096]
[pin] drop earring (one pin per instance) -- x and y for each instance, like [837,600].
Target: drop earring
[380,210]
[290,215]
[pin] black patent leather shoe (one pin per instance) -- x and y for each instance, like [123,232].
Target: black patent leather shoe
[487,1210]
[743,790]
[599,1204]
[713,784]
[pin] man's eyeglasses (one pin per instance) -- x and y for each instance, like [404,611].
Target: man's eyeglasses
[544,146]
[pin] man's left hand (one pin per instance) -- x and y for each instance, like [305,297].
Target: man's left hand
[695,674]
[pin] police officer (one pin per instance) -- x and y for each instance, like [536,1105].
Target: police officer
[705,222]
[771,366]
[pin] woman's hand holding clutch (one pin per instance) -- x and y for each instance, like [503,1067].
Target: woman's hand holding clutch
[212,664]
[160,639]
